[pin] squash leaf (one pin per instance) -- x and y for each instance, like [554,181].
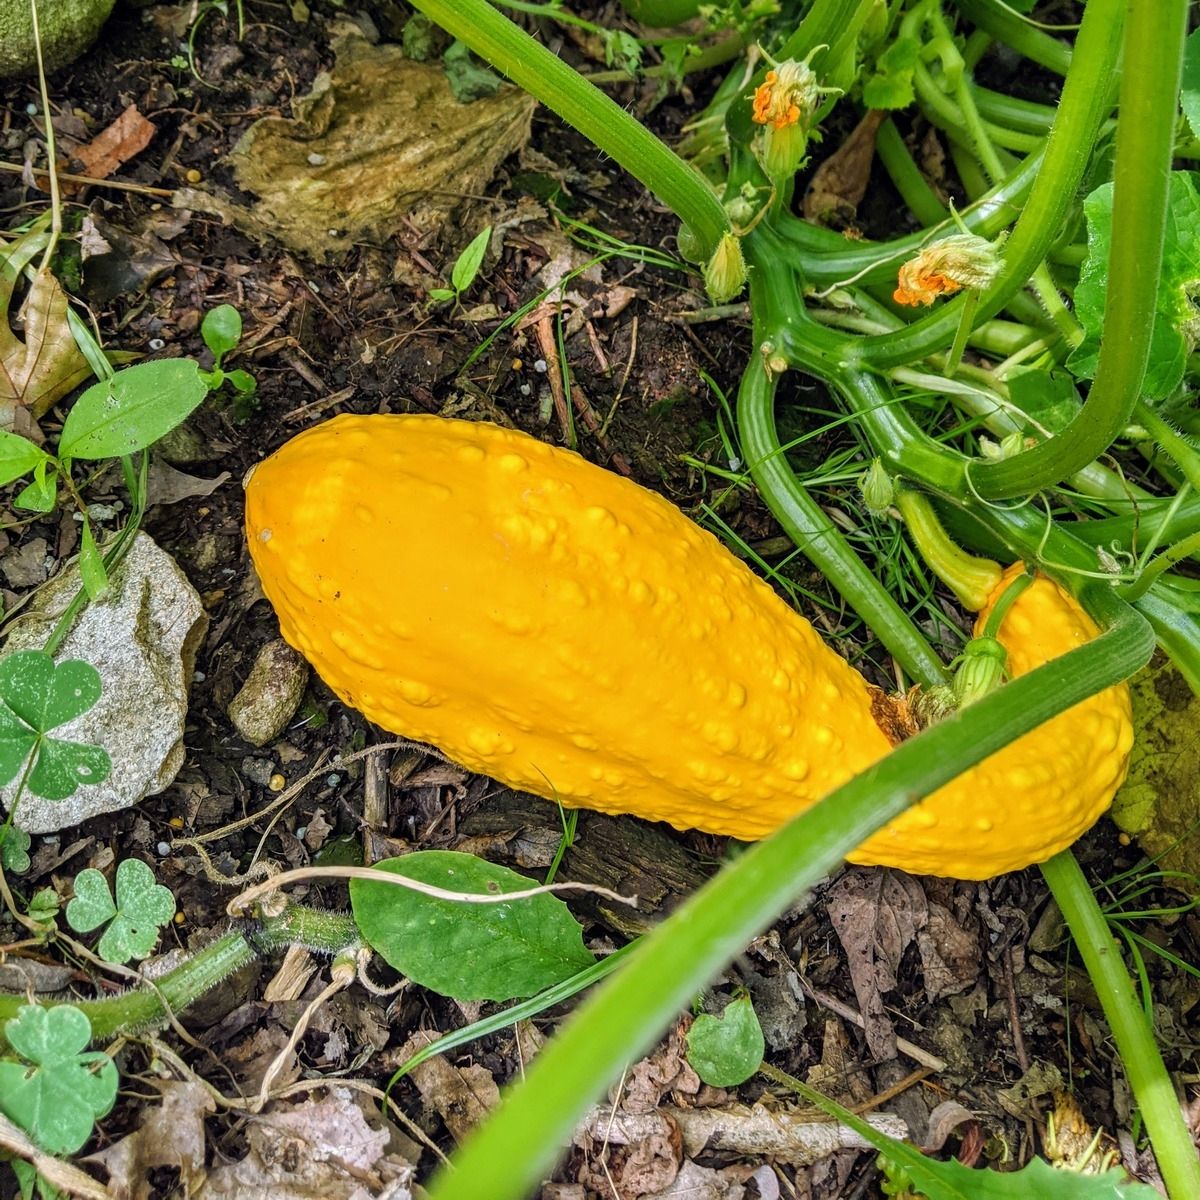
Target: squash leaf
[1177,318]
[463,950]
[1190,92]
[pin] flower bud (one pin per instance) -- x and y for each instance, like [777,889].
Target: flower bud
[785,103]
[980,670]
[725,274]
[878,490]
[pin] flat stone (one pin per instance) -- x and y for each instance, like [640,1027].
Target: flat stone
[271,694]
[67,28]
[142,637]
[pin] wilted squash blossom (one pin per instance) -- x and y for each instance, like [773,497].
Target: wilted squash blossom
[959,261]
[785,103]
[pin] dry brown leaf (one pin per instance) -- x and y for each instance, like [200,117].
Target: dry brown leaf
[170,1134]
[315,1150]
[40,367]
[461,1096]
[840,182]
[166,485]
[876,915]
[951,958]
[126,137]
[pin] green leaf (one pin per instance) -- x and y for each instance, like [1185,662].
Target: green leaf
[441,293]
[242,381]
[14,850]
[142,907]
[468,951]
[42,494]
[470,260]
[726,1050]
[892,84]
[92,905]
[36,695]
[1190,92]
[417,38]
[221,330]
[18,456]
[131,410]
[91,563]
[1176,320]
[468,81]
[1049,397]
[69,1087]
[44,905]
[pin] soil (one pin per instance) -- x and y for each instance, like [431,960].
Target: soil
[975,980]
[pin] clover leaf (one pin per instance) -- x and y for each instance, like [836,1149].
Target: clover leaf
[14,849]
[61,1089]
[141,908]
[37,695]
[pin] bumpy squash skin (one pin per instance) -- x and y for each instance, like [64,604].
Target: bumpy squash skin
[550,624]
[1037,795]
[556,627]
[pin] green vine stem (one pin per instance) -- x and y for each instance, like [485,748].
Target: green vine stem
[815,534]
[147,1007]
[519,1142]
[1007,25]
[1136,1047]
[1154,37]
[1085,102]
[601,120]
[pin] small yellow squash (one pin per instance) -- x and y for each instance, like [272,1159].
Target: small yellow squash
[556,627]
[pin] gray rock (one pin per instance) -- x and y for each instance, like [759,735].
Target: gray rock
[142,637]
[67,27]
[271,694]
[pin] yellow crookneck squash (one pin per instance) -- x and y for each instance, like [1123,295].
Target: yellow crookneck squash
[563,630]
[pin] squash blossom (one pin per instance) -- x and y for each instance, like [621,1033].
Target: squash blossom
[785,104]
[961,260]
[725,272]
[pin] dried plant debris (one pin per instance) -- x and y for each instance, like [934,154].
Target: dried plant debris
[39,364]
[377,140]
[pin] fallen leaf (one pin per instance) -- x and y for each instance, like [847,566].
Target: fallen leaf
[170,1134]
[876,915]
[461,1096]
[951,958]
[166,485]
[378,139]
[840,182]
[126,137]
[315,1150]
[40,368]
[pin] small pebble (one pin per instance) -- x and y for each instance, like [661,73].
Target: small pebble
[525,390]
[193,176]
[316,160]
[333,780]
[540,366]
[156,344]
[301,830]
[164,848]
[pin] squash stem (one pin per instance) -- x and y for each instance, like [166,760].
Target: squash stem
[971,579]
[1137,1051]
